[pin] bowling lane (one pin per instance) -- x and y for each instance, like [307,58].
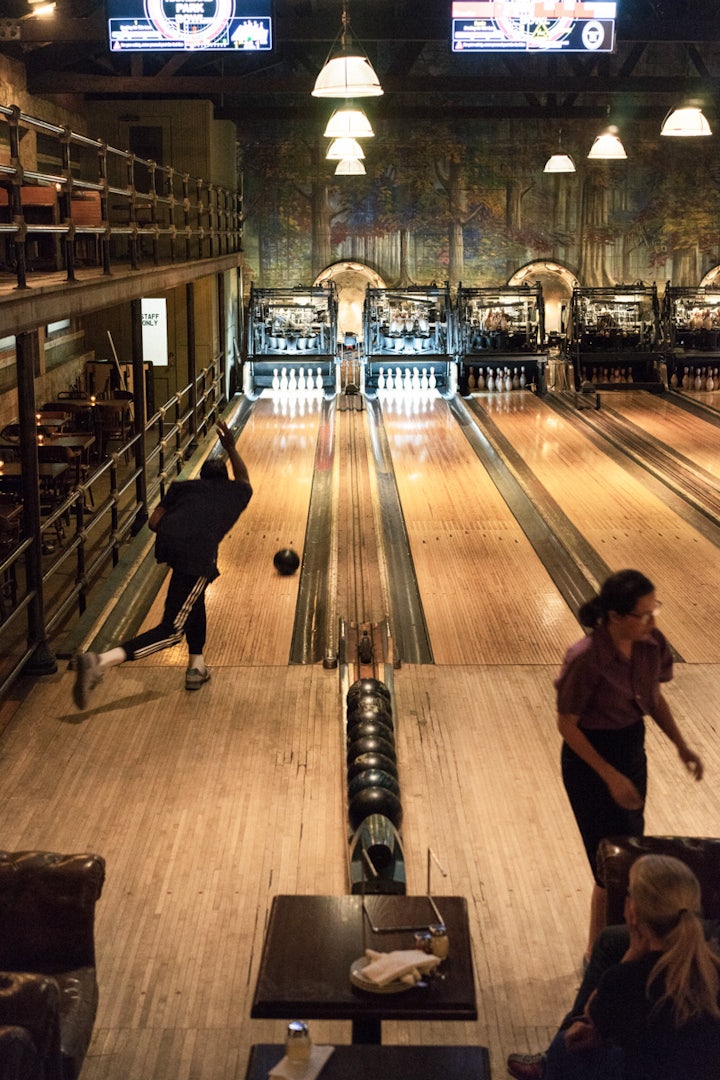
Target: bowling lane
[625,522]
[250,607]
[487,597]
[682,431]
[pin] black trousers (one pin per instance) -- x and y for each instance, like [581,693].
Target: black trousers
[184,616]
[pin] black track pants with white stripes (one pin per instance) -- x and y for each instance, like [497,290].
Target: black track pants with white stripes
[184,616]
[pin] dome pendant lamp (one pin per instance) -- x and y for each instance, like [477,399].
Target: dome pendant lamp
[685,123]
[347,72]
[349,122]
[607,147]
[559,162]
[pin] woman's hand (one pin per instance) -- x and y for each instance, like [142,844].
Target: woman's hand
[225,435]
[624,792]
[692,762]
[581,1035]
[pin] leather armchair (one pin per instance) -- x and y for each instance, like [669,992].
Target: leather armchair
[48,983]
[616,855]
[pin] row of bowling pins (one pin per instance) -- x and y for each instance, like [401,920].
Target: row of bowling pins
[499,379]
[409,381]
[296,382]
[704,378]
[606,375]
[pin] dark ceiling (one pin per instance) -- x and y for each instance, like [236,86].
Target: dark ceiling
[667,50]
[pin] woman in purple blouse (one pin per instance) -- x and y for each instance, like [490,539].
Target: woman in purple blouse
[610,680]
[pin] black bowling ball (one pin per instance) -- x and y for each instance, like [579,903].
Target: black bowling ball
[286,561]
[371,761]
[370,728]
[373,778]
[371,744]
[367,686]
[366,716]
[374,800]
[369,703]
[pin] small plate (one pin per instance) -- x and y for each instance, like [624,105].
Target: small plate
[356,978]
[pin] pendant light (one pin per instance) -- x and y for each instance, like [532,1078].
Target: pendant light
[348,122]
[347,72]
[559,162]
[344,148]
[607,147]
[686,122]
[350,167]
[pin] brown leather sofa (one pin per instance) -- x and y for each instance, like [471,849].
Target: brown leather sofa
[48,984]
[617,854]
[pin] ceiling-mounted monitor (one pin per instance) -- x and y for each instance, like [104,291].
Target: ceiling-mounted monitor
[189,25]
[533,26]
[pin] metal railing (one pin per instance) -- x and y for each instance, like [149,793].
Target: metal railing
[79,541]
[121,204]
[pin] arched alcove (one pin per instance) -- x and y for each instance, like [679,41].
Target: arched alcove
[712,277]
[557,286]
[351,280]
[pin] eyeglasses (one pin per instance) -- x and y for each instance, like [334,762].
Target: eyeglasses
[646,616]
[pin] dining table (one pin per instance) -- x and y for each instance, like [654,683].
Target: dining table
[312,942]
[360,1061]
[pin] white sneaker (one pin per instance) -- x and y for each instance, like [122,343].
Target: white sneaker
[194,678]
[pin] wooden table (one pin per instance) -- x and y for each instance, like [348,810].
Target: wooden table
[49,471]
[358,1062]
[311,941]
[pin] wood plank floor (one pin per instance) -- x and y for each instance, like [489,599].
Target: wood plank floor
[207,805]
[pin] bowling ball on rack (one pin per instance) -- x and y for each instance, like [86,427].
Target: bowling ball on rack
[371,760]
[369,728]
[374,800]
[373,778]
[369,703]
[286,561]
[364,716]
[367,686]
[370,744]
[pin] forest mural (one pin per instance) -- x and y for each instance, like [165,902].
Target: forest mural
[470,202]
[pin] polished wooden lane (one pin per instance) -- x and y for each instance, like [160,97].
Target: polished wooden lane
[684,432]
[477,573]
[622,516]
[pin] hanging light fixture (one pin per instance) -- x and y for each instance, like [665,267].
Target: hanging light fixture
[348,73]
[345,148]
[607,147]
[348,122]
[559,162]
[350,167]
[686,123]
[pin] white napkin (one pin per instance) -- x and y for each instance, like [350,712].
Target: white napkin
[303,1070]
[406,965]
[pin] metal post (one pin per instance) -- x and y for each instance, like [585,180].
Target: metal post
[139,414]
[28,359]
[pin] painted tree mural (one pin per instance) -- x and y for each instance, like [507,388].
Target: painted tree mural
[471,203]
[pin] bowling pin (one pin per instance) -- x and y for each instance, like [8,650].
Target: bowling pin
[490,382]
[523,380]
[276,379]
[407,381]
[424,379]
[389,381]
[283,379]
[685,379]
[415,381]
[398,379]
[301,380]
[698,379]
[709,384]
[515,380]
[319,380]
[472,381]
[508,379]
[480,379]
[292,381]
[432,381]
[381,379]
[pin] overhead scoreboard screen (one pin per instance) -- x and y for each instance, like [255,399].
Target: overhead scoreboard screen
[189,25]
[533,25]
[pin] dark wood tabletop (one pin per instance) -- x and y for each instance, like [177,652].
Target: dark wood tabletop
[311,942]
[48,470]
[380,1062]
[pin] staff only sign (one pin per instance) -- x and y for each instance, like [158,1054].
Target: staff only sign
[154,331]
